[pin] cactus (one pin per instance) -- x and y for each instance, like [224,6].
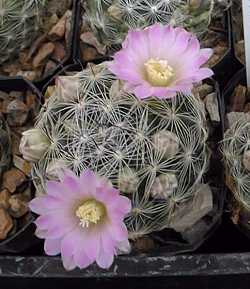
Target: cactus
[154,151]
[111,19]
[236,151]
[19,24]
[5,148]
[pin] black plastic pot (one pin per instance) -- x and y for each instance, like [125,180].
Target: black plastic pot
[69,49]
[24,237]
[235,35]
[229,64]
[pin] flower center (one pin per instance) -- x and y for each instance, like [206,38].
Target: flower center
[159,73]
[90,212]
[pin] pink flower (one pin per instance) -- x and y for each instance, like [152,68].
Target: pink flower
[160,61]
[82,218]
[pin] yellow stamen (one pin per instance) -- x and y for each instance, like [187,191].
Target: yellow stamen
[90,212]
[158,72]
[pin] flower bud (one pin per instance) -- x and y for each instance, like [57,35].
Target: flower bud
[34,144]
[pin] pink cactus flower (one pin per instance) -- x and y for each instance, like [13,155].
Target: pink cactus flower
[160,61]
[82,218]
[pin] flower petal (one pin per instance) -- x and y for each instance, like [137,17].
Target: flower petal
[52,247]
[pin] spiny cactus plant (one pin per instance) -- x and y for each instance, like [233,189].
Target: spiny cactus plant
[4,145]
[154,151]
[111,19]
[19,23]
[236,150]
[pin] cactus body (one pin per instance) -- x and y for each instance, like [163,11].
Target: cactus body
[236,150]
[111,19]
[19,24]
[108,130]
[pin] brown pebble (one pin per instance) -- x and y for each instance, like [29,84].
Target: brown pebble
[4,199]
[28,74]
[33,103]
[238,98]
[18,206]
[50,66]
[5,104]
[12,179]
[68,26]
[88,53]
[24,60]
[43,53]
[17,113]
[59,52]
[247,107]
[36,45]
[16,95]
[144,244]
[22,165]
[3,95]
[90,39]
[58,30]
[6,224]
[15,143]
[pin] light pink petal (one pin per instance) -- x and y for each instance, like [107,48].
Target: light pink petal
[81,259]
[57,224]
[123,247]
[203,57]
[120,208]
[108,195]
[67,251]
[42,234]
[68,262]
[92,244]
[45,204]
[118,232]
[37,205]
[143,91]
[104,259]
[88,183]
[154,35]
[203,73]
[107,251]
[77,244]
[181,42]
[55,189]
[193,47]
[52,247]
[169,36]
[71,184]
[138,42]
[107,243]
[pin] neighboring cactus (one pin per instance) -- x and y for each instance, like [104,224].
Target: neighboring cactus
[154,151]
[111,19]
[5,147]
[19,24]
[236,150]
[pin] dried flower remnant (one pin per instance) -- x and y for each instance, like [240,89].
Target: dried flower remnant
[34,144]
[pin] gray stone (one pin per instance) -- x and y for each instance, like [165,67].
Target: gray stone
[212,107]
[187,214]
